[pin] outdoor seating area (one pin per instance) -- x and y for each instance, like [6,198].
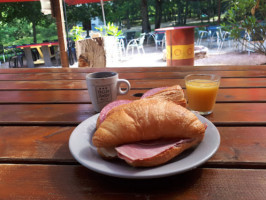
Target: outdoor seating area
[30,55]
[214,36]
[212,47]
[217,49]
[217,37]
[132,46]
[39,53]
[12,56]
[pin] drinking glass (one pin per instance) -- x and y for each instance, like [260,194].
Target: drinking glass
[202,90]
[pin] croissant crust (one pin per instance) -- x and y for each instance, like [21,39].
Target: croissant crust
[147,119]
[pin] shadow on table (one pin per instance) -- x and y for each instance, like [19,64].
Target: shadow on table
[78,180]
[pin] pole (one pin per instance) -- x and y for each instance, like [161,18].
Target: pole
[104,22]
[57,8]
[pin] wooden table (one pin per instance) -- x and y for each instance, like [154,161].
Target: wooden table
[44,51]
[39,108]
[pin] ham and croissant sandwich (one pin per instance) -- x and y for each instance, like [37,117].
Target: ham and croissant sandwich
[147,132]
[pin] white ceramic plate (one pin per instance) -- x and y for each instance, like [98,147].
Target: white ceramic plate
[83,151]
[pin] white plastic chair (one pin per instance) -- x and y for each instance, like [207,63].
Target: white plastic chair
[150,36]
[136,43]
[222,36]
[121,49]
[202,34]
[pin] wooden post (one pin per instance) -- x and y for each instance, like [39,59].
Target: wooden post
[28,55]
[58,13]
[46,56]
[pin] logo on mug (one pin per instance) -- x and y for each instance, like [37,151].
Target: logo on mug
[103,93]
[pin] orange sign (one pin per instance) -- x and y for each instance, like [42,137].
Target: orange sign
[179,52]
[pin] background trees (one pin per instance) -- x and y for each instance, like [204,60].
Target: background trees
[83,14]
[24,23]
[19,22]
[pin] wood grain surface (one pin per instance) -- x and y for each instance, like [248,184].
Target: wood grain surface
[137,69]
[135,84]
[240,146]
[76,182]
[129,76]
[40,107]
[73,114]
[82,96]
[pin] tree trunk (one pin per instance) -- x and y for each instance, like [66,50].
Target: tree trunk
[180,7]
[87,26]
[219,11]
[146,27]
[209,10]
[158,14]
[128,20]
[34,32]
[198,10]
[214,10]
[186,13]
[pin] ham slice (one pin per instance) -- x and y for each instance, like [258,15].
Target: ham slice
[152,92]
[109,107]
[146,150]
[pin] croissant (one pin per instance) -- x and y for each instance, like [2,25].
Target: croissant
[149,120]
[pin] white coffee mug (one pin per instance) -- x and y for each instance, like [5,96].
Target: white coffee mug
[104,87]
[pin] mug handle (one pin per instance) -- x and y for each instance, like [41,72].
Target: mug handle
[119,82]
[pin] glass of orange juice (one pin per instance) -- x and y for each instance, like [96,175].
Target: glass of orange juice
[202,90]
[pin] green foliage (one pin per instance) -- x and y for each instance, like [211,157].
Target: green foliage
[18,22]
[82,13]
[110,29]
[241,19]
[21,33]
[76,33]
[48,32]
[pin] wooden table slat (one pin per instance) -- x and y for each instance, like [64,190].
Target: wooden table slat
[129,76]
[82,96]
[76,182]
[135,84]
[136,69]
[63,114]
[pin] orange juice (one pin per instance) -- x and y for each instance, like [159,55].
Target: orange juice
[201,94]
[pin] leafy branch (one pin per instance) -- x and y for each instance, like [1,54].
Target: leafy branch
[77,33]
[110,29]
